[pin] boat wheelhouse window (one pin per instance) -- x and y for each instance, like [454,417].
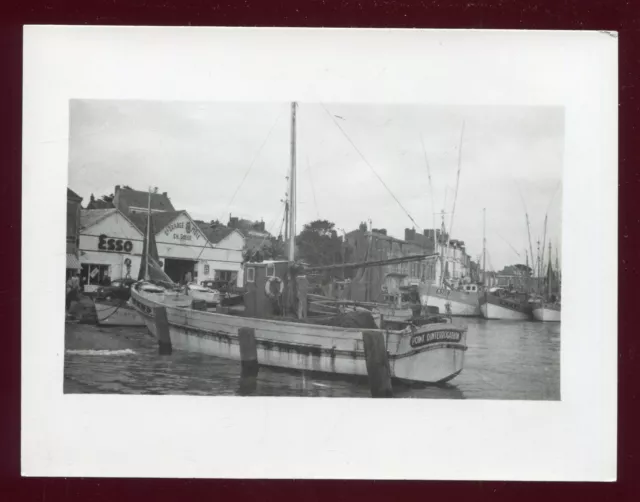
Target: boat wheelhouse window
[251,274]
[271,270]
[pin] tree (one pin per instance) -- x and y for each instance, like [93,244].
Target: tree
[319,244]
[272,249]
[518,269]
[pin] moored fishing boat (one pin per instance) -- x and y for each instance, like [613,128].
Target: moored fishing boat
[548,308]
[546,311]
[462,302]
[432,353]
[499,303]
[276,308]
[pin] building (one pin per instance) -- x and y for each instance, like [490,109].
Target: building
[74,206]
[369,284]
[254,232]
[456,257]
[130,201]
[111,243]
[99,203]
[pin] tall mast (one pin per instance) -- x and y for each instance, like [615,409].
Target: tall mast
[146,261]
[538,265]
[544,242]
[484,247]
[551,274]
[443,239]
[455,197]
[292,187]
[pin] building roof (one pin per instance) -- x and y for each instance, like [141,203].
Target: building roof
[124,198]
[215,234]
[160,220]
[99,204]
[73,196]
[89,217]
[73,262]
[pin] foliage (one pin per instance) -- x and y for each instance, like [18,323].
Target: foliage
[319,244]
[272,249]
[518,269]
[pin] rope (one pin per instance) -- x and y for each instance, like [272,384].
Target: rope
[253,162]
[371,167]
[112,313]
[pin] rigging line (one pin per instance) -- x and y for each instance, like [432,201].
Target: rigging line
[514,249]
[255,249]
[370,166]
[455,198]
[554,195]
[255,158]
[313,189]
[426,161]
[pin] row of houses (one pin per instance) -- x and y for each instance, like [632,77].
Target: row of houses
[107,239]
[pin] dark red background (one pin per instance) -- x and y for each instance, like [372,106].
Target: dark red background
[622,16]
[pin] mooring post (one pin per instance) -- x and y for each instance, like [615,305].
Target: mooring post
[375,353]
[248,360]
[248,350]
[162,331]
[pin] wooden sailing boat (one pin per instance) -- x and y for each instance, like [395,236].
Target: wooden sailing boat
[450,299]
[549,309]
[154,283]
[430,353]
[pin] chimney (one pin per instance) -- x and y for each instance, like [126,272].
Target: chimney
[164,193]
[117,188]
[409,234]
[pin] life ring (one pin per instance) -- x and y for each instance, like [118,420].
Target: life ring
[127,262]
[274,287]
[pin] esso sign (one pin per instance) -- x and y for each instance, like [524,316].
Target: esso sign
[114,245]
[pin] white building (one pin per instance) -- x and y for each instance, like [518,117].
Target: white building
[112,243]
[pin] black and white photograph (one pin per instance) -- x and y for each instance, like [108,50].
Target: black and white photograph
[314,249]
[319,254]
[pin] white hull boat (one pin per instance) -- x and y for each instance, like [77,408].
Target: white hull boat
[492,311]
[432,353]
[450,306]
[547,312]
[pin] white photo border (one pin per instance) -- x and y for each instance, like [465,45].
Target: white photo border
[258,437]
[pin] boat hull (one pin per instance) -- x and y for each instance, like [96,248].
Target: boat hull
[547,313]
[111,313]
[455,303]
[430,354]
[493,307]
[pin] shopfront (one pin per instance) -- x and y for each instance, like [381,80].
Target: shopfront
[110,246]
[184,249]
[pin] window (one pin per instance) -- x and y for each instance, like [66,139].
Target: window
[93,274]
[271,270]
[251,274]
[225,275]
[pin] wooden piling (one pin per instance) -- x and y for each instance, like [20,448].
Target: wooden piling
[377,358]
[248,350]
[162,331]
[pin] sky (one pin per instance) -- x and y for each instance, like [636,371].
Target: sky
[354,162]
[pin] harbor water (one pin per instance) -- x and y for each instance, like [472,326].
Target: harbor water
[505,360]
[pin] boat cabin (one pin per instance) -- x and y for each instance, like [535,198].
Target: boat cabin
[266,292]
[470,288]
